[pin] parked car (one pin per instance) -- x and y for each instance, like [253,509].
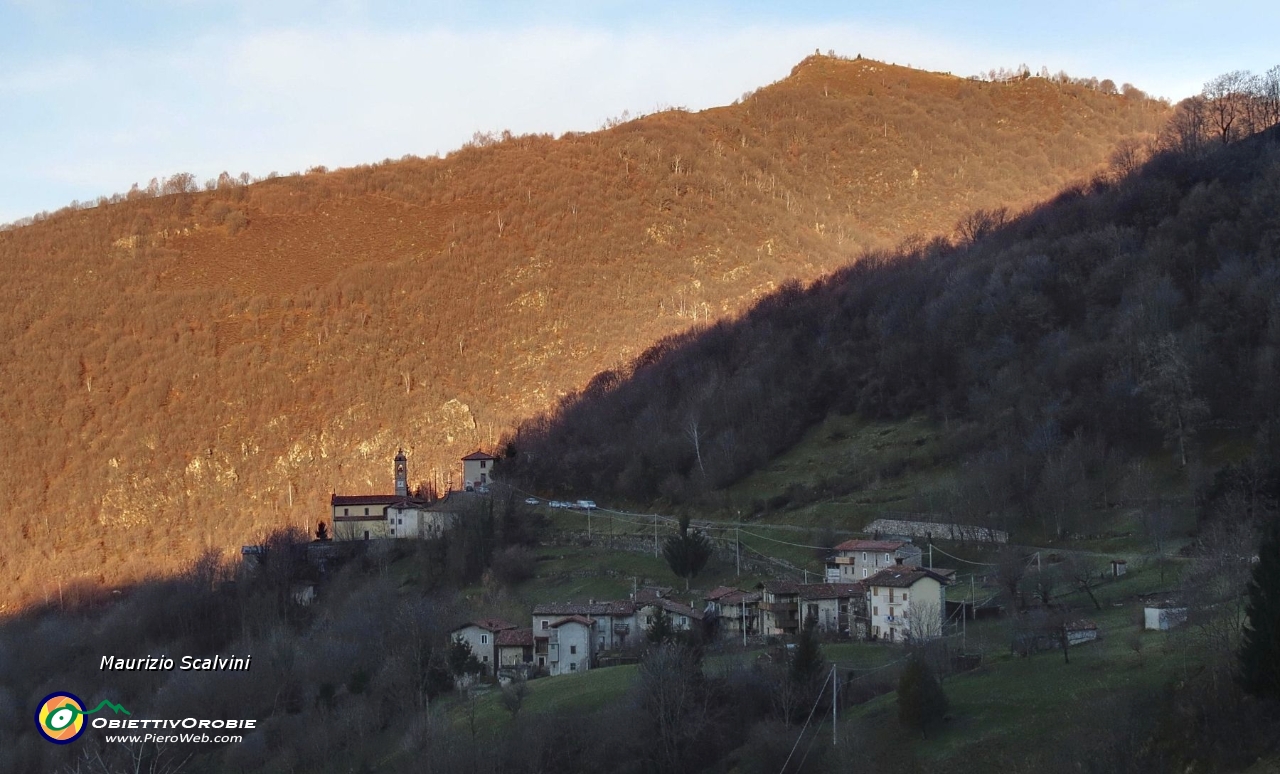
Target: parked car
[530,501]
[558,504]
[585,505]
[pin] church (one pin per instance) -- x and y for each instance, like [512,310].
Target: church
[399,515]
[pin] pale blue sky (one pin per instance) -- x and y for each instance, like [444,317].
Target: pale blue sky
[97,96]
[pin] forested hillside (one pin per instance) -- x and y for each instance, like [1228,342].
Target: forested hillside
[187,366]
[1123,322]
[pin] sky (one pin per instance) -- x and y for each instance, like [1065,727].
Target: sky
[97,96]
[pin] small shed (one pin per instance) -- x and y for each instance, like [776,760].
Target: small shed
[1163,618]
[1080,632]
[1119,567]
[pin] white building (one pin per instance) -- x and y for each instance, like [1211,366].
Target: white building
[571,645]
[482,636]
[615,625]
[858,560]
[411,517]
[477,470]
[907,603]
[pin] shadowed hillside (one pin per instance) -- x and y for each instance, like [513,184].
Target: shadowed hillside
[1122,328]
[187,367]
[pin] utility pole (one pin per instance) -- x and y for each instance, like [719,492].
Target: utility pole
[737,550]
[588,524]
[655,536]
[930,554]
[744,621]
[835,702]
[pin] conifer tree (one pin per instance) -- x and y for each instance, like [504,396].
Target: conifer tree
[661,631]
[807,663]
[1260,648]
[922,705]
[462,660]
[686,553]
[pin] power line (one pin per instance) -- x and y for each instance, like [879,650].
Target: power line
[958,559]
[806,725]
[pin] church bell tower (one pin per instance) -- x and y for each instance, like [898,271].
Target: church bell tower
[402,475]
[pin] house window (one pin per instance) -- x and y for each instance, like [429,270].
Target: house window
[366,511]
[573,667]
[400,520]
[366,534]
[346,511]
[545,623]
[904,596]
[864,572]
[886,558]
[573,650]
[484,639]
[485,659]
[875,610]
[890,595]
[684,621]
[482,464]
[864,556]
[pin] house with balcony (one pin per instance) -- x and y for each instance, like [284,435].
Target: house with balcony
[615,625]
[836,608]
[857,560]
[570,645]
[735,609]
[683,617]
[780,608]
[907,603]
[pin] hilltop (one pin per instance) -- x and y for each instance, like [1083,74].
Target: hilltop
[198,365]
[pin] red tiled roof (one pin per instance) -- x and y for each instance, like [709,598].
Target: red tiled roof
[621,608]
[871,545]
[574,619]
[831,590]
[740,598]
[515,638]
[719,592]
[478,455]
[672,606]
[647,595]
[363,499]
[903,576]
[781,587]
[488,624]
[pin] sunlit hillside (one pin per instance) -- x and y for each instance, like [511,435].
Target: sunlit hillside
[184,370]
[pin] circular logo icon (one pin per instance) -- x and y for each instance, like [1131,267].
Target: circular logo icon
[60,717]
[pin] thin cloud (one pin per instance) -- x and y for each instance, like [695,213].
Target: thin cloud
[290,98]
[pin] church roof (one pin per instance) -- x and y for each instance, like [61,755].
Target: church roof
[383,499]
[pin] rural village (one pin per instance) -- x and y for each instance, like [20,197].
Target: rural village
[882,589]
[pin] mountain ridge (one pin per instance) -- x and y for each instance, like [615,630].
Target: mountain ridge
[203,364]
